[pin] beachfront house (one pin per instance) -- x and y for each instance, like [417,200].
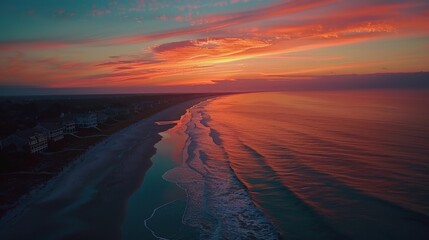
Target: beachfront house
[111,113]
[69,125]
[32,140]
[121,111]
[147,104]
[54,130]
[86,120]
[117,112]
[136,108]
[102,117]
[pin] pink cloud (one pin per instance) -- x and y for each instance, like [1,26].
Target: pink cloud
[357,15]
[235,41]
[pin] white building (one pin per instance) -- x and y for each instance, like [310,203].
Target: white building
[69,125]
[38,143]
[102,117]
[54,130]
[86,120]
[29,139]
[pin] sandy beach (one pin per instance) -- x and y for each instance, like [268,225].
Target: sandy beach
[103,178]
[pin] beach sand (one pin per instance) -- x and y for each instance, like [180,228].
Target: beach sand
[88,200]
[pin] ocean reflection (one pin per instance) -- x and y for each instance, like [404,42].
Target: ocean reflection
[319,165]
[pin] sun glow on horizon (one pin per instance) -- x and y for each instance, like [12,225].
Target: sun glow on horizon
[158,43]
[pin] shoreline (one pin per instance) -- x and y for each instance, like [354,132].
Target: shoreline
[22,171]
[164,194]
[59,194]
[221,205]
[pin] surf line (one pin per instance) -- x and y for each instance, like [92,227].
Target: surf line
[153,214]
[187,196]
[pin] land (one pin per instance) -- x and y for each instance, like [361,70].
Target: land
[20,172]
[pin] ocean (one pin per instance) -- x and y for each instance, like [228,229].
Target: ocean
[304,165]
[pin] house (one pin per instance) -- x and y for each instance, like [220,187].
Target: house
[147,104]
[86,120]
[111,113]
[136,108]
[69,125]
[102,117]
[121,111]
[54,130]
[117,112]
[29,139]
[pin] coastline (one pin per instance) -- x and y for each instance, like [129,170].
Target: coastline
[218,204]
[159,202]
[102,178]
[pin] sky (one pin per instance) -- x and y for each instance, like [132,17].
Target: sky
[149,45]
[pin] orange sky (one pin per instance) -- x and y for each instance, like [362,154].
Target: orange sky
[169,43]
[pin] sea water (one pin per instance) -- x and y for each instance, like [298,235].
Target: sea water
[305,165]
[155,210]
[314,165]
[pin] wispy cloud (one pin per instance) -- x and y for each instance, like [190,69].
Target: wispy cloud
[215,43]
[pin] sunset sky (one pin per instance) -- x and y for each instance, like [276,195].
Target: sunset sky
[145,44]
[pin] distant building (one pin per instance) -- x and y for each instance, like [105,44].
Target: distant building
[29,139]
[137,108]
[86,120]
[54,130]
[147,104]
[111,113]
[117,112]
[102,117]
[122,111]
[69,125]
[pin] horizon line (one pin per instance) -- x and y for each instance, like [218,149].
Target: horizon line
[398,80]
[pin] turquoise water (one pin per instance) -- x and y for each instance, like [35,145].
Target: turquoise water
[155,210]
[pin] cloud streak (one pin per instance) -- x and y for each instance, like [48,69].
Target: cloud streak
[219,45]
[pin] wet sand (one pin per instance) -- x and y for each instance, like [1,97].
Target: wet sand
[88,200]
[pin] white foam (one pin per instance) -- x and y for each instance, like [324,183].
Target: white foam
[151,216]
[217,203]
